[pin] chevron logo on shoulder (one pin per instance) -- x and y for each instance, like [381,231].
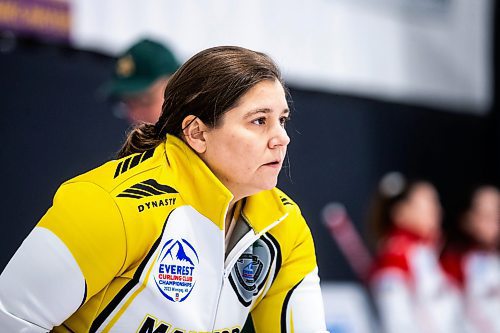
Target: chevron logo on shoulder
[285,201]
[147,188]
[132,162]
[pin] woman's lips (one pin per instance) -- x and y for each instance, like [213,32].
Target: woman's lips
[274,164]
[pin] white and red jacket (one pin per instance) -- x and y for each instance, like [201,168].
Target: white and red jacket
[411,291]
[477,274]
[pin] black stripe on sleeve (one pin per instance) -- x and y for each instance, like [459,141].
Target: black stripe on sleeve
[126,164]
[84,295]
[160,187]
[148,189]
[118,168]
[137,192]
[285,307]
[135,160]
[127,195]
[147,154]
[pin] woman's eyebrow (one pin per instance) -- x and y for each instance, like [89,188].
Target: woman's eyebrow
[263,110]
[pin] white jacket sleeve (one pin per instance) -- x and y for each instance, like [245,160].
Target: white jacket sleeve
[304,311]
[41,286]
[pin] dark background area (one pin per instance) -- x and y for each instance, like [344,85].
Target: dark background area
[55,126]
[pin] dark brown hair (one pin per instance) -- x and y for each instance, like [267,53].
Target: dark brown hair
[457,234]
[206,86]
[393,189]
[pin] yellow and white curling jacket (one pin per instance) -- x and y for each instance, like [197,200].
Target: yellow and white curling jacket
[138,245]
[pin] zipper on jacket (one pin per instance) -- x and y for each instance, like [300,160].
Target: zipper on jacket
[243,244]
[239,248]
[222,280]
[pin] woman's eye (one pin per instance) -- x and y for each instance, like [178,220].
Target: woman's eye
[284,120]
[259,121]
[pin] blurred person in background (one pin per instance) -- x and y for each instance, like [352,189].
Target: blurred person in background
[410,290]
[186,230]
[472,259]
[139,79]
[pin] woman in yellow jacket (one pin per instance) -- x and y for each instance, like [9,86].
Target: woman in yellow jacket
[185,232]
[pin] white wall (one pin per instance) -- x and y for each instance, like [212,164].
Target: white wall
[428,52]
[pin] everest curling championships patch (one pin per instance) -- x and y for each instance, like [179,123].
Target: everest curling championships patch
[175,270]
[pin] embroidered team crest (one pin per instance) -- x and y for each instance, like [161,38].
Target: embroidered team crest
[251,271]
[175,270]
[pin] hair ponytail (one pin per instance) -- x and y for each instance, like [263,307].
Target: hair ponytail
[141,138]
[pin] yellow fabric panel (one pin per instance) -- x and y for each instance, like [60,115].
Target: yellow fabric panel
[192,174]
[128,302]
[87,220]
[261,209]
[298,261]
[81,320]
[142,228]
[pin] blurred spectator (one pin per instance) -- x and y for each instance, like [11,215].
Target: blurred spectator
[139,79]
[472,259]
[411,292]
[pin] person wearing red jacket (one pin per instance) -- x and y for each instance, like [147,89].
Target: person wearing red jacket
[471,258]
[410,290]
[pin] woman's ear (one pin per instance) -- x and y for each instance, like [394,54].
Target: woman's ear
[194,130]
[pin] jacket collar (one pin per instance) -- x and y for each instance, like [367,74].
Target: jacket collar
[411,236]
[202,190]
[263,209]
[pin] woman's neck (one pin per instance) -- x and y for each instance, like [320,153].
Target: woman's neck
[233,213]
[229,215]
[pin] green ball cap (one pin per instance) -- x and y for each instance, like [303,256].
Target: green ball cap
[138,67]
